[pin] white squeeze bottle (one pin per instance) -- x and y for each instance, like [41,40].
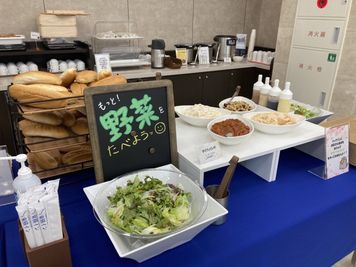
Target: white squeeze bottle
[285,99]
[25,178]
[264,93]
[273,96]
[257,89]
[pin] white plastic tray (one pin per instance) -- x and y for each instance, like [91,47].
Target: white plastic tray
[141,250]
[12,40]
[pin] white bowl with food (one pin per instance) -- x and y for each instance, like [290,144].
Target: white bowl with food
[239,105]
[198,114]
[149,204]
[230,129]
[274,122]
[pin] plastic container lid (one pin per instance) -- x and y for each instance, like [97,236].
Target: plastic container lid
[286,93]
[266,87]
[275,91]
[187,46]
[258,85]
[157,44]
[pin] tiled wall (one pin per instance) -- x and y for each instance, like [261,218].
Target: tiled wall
[172,20]
[343,100]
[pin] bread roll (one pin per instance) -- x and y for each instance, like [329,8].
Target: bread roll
[103,74]
[86,76]
[30,128]
[45,160]
[77,156]
[66,149]
[36,92]
[80,127]
[78,88]
[68,77]
[50,118]
[68,119]
[33,77]
[56,154]
[112,80]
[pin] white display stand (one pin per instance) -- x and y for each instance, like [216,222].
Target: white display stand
[259,154]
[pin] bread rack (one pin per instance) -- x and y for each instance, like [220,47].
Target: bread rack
[43,144]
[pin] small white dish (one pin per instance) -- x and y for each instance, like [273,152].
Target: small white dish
[196,121]
[237,58]
[238,98]
[234,140]
[272,128]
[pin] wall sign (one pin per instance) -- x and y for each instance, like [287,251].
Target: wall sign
[337,150]
[132,127]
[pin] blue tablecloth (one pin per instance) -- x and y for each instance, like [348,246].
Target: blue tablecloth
[298,220]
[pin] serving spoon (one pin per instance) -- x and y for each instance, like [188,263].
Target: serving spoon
[237,91]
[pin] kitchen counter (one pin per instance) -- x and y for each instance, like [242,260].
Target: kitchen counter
[148,72]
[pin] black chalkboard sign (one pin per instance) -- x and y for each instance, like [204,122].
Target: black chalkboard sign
[132,126]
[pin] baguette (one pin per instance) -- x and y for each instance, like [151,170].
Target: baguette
[36,92]
[76,156]
[112,80]
[34,77]
[45,160]
[80,127]
[103,74]
[86,76]
[78,88]
[66,149]
[50,118]
[30,128]
[68,77]
[68,119]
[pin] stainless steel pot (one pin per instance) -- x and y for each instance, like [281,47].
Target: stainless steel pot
[190,51]
[227,45]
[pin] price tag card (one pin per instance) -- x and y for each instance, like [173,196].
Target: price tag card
[227,59]
[102,62]
[35,35]
[203,55]
[209,152]
[181,53]
[337,150]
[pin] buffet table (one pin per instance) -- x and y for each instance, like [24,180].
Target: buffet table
[299,220]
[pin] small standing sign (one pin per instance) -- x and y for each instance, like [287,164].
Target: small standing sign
[336,152]
[102,62]
[132,127]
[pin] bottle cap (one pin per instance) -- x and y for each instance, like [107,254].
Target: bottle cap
[275,91]
[266,87]
[24,171]
[258,85]
[286,93]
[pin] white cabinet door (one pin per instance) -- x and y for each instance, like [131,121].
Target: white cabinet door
[311,73]
[325,34]
[323,8]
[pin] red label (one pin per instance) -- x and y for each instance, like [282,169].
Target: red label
[322,3]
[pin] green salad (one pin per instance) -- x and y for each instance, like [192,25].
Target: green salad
[300,110]
[149,206]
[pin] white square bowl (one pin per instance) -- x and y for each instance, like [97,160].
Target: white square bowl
[141,250]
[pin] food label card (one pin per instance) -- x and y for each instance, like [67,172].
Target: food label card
[337,150]
[102,62]
[209,152]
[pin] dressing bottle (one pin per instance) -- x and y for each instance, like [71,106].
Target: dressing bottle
[264,93]
[285,99]
[257,89]
[273,96]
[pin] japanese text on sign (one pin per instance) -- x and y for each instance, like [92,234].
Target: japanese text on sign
[119,122]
